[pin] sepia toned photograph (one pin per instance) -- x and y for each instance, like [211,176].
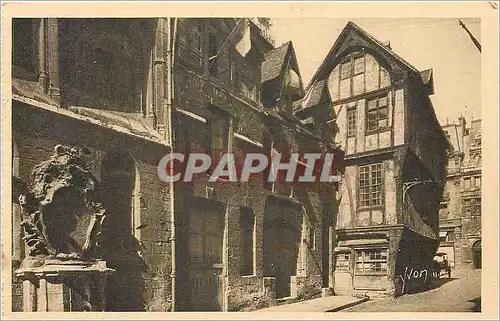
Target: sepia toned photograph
[244,164]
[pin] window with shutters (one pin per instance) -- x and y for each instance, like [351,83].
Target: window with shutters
[370,185]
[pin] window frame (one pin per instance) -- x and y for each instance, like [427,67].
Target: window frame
[346,262]
[377,109]
[381,260]
[472,206]
[351,123]
[370,186]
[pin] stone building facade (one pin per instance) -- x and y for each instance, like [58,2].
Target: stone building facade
[386,231]
[460,212]
[130,91]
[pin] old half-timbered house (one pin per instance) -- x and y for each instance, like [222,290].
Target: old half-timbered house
[386,232]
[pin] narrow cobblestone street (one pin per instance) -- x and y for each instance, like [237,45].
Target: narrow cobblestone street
[461,293]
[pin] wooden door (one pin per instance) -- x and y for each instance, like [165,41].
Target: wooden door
[206,230]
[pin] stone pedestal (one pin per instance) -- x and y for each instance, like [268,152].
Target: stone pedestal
[64,286]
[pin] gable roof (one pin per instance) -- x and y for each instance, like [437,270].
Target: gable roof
[275,59]
[314,96]
[349,28]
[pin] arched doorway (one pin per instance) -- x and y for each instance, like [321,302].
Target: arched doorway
[476,254]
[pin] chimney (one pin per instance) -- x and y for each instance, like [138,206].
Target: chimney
[462,123]
[387,44]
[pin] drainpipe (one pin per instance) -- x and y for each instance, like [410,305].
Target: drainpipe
[168,117]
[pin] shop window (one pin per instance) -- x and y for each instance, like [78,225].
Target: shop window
[370,185]
[351,121]
[247,229]
[342,262]
[373,261]
[377,114]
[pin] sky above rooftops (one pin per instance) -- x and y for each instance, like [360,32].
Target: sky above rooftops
[438,43]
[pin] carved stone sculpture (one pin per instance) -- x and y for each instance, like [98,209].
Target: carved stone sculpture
[62,214]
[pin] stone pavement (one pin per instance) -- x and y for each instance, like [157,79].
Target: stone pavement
[327,304]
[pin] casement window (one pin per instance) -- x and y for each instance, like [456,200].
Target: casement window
[351,120]
[371,261]
[247,227]
[377,114]
[342,262]
[370,185]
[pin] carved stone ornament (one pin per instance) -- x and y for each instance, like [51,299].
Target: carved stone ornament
[62,216]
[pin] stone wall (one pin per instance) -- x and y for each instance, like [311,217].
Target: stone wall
[144,281]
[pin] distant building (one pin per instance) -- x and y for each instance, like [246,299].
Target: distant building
[460,212]
[387,226]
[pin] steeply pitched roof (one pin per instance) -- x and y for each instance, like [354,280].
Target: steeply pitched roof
[316,92]
[273,63]
[350,27]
